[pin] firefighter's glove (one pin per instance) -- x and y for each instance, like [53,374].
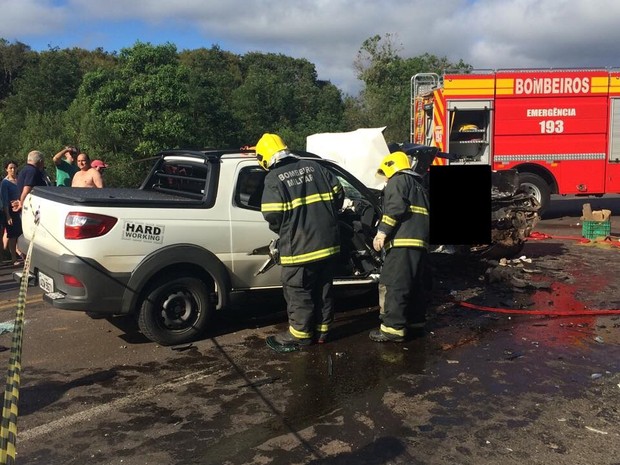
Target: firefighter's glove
[378,241]
[274,252]
[347,204]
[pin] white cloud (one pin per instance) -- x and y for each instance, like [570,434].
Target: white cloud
[484,33]
[23,19]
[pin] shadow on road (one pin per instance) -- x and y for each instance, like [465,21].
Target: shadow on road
[264,309]
[256,310]
[39,396]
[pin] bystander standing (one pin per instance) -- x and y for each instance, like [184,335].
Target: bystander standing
[10,195]
[87,176]
[65,168]
[99,165]
[31,175]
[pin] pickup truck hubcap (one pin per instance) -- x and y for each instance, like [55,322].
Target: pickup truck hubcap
[177,309]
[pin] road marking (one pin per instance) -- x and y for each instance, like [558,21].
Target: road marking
[13,303]
[89,414]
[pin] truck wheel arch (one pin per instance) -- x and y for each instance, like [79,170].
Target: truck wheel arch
[169,257]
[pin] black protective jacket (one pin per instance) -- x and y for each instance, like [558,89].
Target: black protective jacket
[300,201]
[405,219]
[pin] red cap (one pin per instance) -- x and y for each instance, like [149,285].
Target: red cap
[98,164]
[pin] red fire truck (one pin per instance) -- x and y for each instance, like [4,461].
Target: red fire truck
[560,128]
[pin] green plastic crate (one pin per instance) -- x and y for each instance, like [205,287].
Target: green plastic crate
[594,229]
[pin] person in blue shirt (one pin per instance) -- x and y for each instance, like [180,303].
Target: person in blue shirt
[31,175]
[13,223]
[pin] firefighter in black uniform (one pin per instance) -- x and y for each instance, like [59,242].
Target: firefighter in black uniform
[404,234]
[300,202]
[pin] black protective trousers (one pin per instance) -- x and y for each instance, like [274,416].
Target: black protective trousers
[308,292]
[402,275]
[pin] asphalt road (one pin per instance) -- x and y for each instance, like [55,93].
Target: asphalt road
[570,206]
[480,388]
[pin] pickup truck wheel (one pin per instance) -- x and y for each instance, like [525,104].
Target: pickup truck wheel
[175,311]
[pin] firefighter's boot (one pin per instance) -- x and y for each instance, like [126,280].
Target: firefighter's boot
[321,337]
[286,342]
[377,335]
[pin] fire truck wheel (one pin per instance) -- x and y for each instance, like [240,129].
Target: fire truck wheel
[535,185]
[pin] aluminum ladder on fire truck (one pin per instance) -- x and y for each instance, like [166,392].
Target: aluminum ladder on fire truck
[422,84]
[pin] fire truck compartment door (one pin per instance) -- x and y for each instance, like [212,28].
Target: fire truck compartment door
[612,178]
[469,123]
[470,105]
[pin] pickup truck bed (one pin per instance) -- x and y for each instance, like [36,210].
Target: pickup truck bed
[117,197]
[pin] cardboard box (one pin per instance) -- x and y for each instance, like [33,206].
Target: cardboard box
[587,214]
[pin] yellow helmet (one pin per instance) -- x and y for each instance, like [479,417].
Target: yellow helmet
[468,128]
[392,163]
[267,147]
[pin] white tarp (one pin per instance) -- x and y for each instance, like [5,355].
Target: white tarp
[360,152]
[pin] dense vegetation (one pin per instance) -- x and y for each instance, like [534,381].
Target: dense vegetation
[123,107]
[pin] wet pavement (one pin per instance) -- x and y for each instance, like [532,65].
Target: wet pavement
[482,387]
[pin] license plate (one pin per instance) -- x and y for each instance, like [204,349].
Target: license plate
[46,283]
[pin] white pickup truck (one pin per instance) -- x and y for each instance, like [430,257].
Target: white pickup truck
[178,247]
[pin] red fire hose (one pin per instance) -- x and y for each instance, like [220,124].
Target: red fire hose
[538,236]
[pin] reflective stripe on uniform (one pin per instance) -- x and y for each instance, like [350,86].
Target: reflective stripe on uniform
[406,243]
[309,257]
[322,328]
[299,334]
[285,206]
[396,332]
[412,208]
[420,210]
[388,220]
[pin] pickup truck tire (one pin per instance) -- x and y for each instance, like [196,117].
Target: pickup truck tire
[175,311]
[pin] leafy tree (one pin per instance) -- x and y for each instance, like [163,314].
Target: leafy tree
[125,107]
[45,86]
[5,136]
[355,116]
[95,59]
[49,83]
[39,131]
[283,95]
[213,76]
[142,101]
[13,59]
[385,99]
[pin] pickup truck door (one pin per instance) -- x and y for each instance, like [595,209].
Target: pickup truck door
[250,234]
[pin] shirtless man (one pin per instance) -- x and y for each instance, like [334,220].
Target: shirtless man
[86,176]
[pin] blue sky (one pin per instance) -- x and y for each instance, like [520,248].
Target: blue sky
[329,33]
